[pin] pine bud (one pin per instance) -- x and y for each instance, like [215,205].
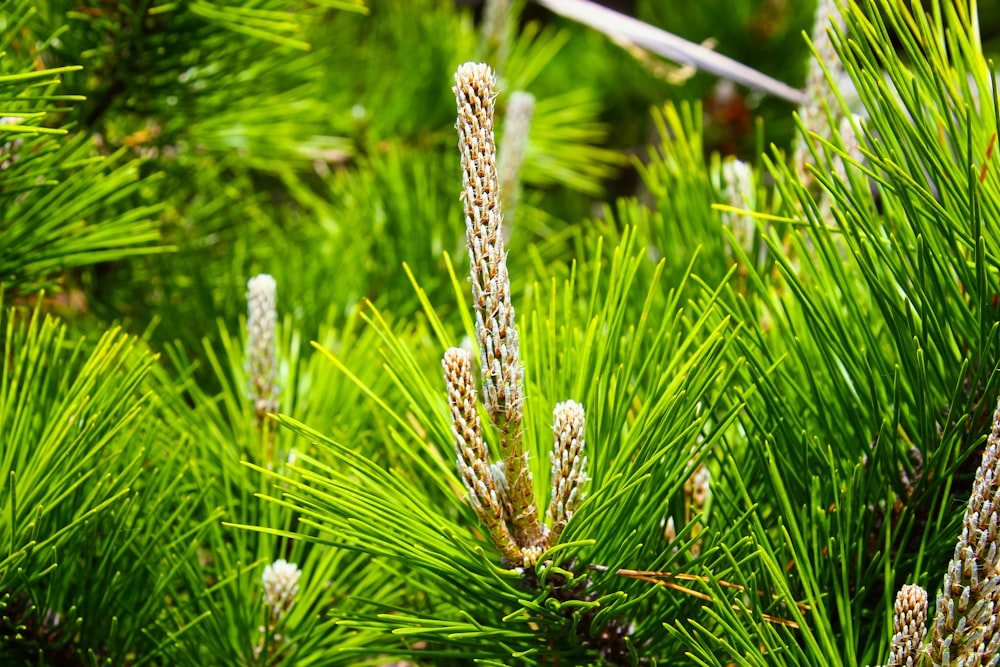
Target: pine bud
[261,364]
[669,531]
[818,90]
[739,191]
[908,626]
[496,25]
[517,127]
[281,584]
[485,496]
[503,377]
[965,622]
[568,465]
[852,146]
[9,149]
[697,492]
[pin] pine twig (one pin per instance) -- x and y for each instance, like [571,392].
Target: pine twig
[473,455]
[503,377]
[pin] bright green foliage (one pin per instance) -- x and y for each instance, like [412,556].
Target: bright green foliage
[784,405]
[871,346]
[85,528]
[429,531]
[59,201]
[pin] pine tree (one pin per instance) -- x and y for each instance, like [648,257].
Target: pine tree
[256,407]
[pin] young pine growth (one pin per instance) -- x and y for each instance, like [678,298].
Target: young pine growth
[739,191]
[851,145]
[964,631]
[281,584]
[908,626]
[497,17]
[9,149]
[486,494]
[568,465]
[261,363]
[517,127]
[503,377]
[697,492]
[501,493]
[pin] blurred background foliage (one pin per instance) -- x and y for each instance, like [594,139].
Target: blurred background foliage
[281,139]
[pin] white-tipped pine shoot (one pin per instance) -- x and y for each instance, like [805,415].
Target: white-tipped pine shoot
[517,127]
[568,465]
[909,626]
[697,492]
[820,96]
[8,149]
[261,362]
[669,530]
[739,191]
[964,631]
[281,584]
[698,489]
[503,377]
[849,138]
[485,495]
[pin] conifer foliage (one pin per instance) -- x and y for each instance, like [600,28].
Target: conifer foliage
[256,409]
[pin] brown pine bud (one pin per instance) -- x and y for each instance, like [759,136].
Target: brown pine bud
[472,453]
[965,622]
[908,626]
[503,377]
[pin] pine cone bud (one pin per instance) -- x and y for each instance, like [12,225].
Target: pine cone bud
[503,377]
[473,455]
[908,626]
[517,127]
[281,584]
[568,465]
[965,622]
[261,364]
